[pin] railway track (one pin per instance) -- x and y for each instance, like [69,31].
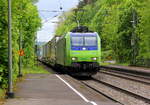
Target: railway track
[134,77]
[136,82]
[116,93]
[127,88]
[145,73]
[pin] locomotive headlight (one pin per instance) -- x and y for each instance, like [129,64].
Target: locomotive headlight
[94,58]
[73,58]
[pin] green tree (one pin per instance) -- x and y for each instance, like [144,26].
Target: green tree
[113,20]
[25,20]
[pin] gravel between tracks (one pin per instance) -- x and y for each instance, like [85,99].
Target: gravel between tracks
[119,96]
[107,82]
[85,90]
[135,87]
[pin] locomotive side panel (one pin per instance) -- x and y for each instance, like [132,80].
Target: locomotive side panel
[53,51]
[61,52]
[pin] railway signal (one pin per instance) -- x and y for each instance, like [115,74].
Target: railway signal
[21,51]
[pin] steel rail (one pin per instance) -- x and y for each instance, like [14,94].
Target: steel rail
[115,88]
[145,74]
[128,76]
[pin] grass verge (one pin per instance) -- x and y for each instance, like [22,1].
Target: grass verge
[35,70]
[2,96]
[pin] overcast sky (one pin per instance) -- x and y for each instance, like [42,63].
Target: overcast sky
[47,31]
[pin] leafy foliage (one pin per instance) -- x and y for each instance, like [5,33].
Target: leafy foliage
[123,26]
[25,21]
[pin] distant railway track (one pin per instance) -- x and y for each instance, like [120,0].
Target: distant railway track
[127,75]
[129,71]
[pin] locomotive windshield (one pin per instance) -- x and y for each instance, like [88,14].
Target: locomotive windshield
[84,41]
[90,41]
[77,41]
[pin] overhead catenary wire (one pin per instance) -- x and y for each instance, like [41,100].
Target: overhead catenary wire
[48,19]
[50,10]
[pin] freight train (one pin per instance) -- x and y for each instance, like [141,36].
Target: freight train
[78,52]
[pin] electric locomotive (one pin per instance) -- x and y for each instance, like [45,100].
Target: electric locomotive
[78,52]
